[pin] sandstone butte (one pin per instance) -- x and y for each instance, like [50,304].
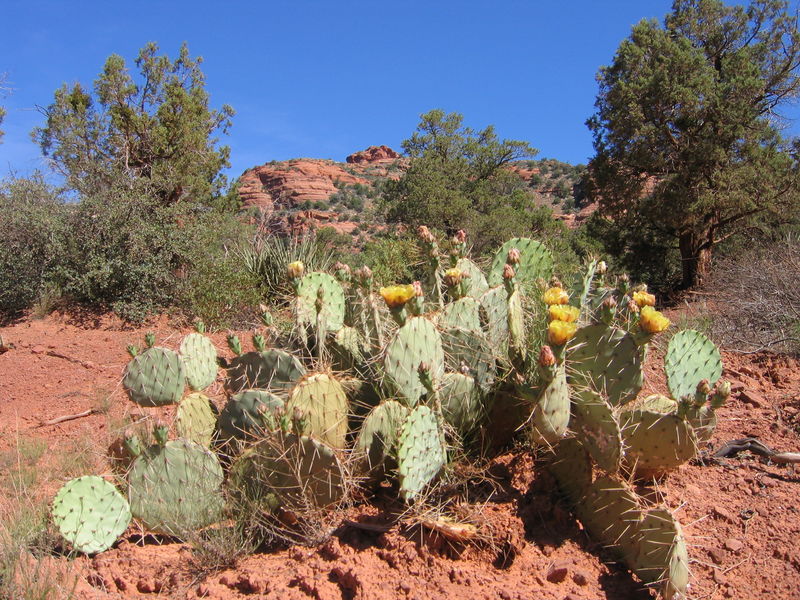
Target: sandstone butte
[277,190]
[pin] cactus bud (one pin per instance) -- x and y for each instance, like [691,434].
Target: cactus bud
[295,269]
[633,308]
[546,357]
[298,420]
[161,432]
[452,277]
[601,268]
[364,276]
[234,344]
[266,317]
[424,372]
[132,443]
[508,272]
[702,392]
[722,392]
[259,342]
[555,282]
[342,271]
[460,237]
[133,350]
[464,368]
[149,339]
[514,256]
[425,235]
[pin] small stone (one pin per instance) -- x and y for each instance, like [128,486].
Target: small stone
[752,398]
[405,587]
[557,572]
[717,555]
[719,577]
[580,577]
[572,597]
[734,545]
[505,595]
[724,514]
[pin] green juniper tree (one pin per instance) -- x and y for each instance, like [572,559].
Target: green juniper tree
[157,128]
[686,133]
[459,178]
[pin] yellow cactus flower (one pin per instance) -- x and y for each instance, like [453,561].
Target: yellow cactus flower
[295,269]
[559,332]
[644,299]
[397,295]
[564,312]
[652,321]
[556,295]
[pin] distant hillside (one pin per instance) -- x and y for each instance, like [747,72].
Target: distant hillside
[306,193]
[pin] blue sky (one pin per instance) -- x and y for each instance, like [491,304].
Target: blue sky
[326,78]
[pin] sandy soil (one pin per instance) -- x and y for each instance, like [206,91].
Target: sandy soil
[740,516]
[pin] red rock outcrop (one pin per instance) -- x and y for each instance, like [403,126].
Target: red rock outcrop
[373,154]
[289,184]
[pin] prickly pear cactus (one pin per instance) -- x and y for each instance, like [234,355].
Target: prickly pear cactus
[377,439]
[291,472]
[196,419]
[322,402]
[273,370]
[90,514]
[535,261]
[608,361]
[691,357]
[175,488]
[416,342]
[494,303]
[323,289]
[200,359]
[156,377]
[250,414]
[421,452]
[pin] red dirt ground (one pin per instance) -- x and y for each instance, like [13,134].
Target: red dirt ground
[741,518]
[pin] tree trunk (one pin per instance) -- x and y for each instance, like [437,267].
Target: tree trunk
[695,258]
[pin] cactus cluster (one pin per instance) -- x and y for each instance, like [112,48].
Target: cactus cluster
[387,381]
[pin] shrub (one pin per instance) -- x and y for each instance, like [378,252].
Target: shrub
[33,229]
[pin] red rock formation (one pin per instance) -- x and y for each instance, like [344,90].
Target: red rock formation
[373,154]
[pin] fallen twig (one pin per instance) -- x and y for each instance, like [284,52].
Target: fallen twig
[84,363]
[58,420]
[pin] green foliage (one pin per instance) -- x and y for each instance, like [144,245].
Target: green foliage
[458,180]
[392,259]
[158,128]
[687,148]
[33,233]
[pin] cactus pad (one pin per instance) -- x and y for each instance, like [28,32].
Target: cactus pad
[90,513]
[535,261]
[200,359]
[608,361]
[598,428]
[332,301]
[323,405]
[288,471]
[463,313]
[476,282]
[378,436]
[250,414]
[661,556]
[691,356]
[494,303]
[420,453]
[156,377]
[550,417]
[196,420]
[416,342]
[470,350]
[174,489]
[462,402]
[656,442]
[273,370]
